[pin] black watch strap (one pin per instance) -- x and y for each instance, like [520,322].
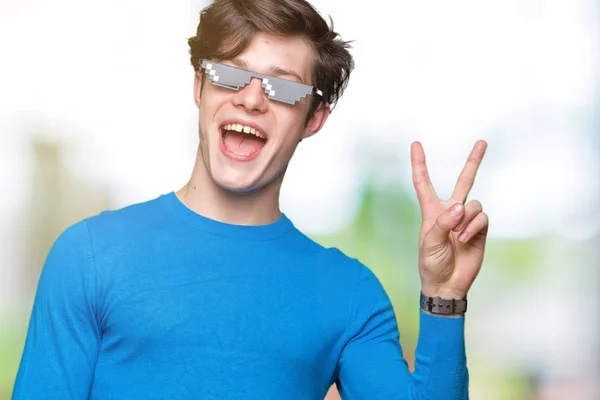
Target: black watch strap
[437,305]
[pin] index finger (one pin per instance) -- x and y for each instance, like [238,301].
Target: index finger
[467,175]
[425,191]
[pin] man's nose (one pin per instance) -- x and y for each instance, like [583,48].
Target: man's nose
[252,97]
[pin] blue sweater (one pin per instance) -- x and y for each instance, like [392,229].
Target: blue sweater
[154,301]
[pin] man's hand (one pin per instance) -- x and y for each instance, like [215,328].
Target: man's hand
[453,234]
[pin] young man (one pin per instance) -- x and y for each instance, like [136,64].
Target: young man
[210,292]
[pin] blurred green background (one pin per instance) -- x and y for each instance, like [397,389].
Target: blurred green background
[95,118]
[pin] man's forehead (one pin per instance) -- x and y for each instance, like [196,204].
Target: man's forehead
[289,57]
[287,72]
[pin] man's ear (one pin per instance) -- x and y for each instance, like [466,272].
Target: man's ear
[198,87]
[317,120]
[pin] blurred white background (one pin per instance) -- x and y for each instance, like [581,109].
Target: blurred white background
[105,87]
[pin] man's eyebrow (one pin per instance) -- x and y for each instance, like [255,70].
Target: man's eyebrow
[273,69]
[238,62]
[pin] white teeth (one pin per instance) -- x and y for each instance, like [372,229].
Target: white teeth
[243,128]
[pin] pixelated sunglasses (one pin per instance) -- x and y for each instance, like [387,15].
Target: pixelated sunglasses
[277,89]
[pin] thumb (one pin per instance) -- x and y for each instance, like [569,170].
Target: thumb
[448,220]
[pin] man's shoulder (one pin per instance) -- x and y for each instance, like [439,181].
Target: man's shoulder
[127,214]
[122,220]
[342,263]
[330,257]
[332,260]
[337,258]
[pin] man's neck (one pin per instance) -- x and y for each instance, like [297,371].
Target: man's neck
[204,197]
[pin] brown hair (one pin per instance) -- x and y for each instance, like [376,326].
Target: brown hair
[227,26]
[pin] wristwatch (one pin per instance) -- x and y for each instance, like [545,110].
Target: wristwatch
[437,305]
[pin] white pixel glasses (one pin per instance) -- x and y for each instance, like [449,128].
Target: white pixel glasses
[277,89]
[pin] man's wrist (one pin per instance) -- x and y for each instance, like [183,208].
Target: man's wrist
[444,293]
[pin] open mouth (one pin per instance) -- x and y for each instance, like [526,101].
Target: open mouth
[241,140]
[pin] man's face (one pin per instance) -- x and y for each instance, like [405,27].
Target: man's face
[248,160]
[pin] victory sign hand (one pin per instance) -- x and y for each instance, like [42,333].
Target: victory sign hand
[453,234]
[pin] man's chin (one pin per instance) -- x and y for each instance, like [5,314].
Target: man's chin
[240,184]
[239,190]
[238,187]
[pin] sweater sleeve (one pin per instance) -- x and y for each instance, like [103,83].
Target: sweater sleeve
[63,337]
[371,365]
